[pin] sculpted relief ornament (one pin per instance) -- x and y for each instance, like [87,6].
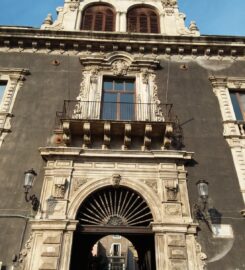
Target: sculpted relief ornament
[169,3]
[120,67]
[24,252]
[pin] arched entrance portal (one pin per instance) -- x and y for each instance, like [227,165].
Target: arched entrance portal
[113,211]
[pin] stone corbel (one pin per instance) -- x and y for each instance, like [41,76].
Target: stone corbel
[66,133]
[167,140]
[107,136]
[147,137]
[127,136]
[86,135]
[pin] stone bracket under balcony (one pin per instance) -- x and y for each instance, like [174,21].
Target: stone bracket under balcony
[109,134]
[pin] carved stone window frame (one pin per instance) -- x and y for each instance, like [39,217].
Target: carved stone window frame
[14,78]
[221,86]
[234,131]
[119,65]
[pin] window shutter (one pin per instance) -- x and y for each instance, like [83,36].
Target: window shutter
[98,18]
[132,23]
[87,22]
[153,24]
[109,22]
[98,24]
[143,20]
[143,24]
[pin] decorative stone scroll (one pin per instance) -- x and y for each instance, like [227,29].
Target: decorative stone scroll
[202,257]
[24,252]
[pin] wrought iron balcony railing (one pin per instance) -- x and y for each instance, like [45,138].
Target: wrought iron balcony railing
[116,111]
[151,123]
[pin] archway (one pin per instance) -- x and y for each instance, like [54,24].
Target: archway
[113,211]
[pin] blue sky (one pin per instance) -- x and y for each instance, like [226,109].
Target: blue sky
[221,17]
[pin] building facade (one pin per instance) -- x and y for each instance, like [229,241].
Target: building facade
[120,109]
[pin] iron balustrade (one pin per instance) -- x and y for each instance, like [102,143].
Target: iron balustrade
[115,111]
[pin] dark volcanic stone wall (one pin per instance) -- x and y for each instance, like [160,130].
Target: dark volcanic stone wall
[34,112]
[198,111]
[195,104]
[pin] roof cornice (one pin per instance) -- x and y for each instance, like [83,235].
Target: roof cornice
[31,39]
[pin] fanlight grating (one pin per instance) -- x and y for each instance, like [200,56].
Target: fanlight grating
[115,207]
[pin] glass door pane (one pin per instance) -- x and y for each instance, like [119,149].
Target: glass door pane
[109,108]
[127,107]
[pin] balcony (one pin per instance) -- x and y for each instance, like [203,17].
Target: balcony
[92,124]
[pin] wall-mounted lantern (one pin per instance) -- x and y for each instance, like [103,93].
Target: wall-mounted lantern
[200,209]
[30,176]
[202,189]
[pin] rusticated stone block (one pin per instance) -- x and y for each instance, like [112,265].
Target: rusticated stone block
[178,265]
[49,264]
[173,209]
[177,253]
[177,240]
[50,250]
[52,239]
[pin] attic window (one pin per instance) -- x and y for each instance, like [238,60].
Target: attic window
[143,20]
[98,18]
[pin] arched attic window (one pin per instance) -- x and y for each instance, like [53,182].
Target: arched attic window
[143,20]
[98,18]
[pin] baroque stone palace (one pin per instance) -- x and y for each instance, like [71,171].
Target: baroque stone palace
[121,109]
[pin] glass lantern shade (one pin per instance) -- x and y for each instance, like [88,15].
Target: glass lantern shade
[29,178]
[202,187]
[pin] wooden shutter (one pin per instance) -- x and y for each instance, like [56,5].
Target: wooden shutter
[98,22]
[153,23]
[98,18]
[143,20]
[143,24]
[87,22]
[132,23]
[109,21]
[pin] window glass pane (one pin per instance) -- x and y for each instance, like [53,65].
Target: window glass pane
[107,85]
[119,85]
[127,107]
[236,106]
[109,108]
[127,98]
[242,102]
[2,88]
[129,86]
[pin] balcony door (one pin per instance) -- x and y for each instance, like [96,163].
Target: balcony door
[118,102]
